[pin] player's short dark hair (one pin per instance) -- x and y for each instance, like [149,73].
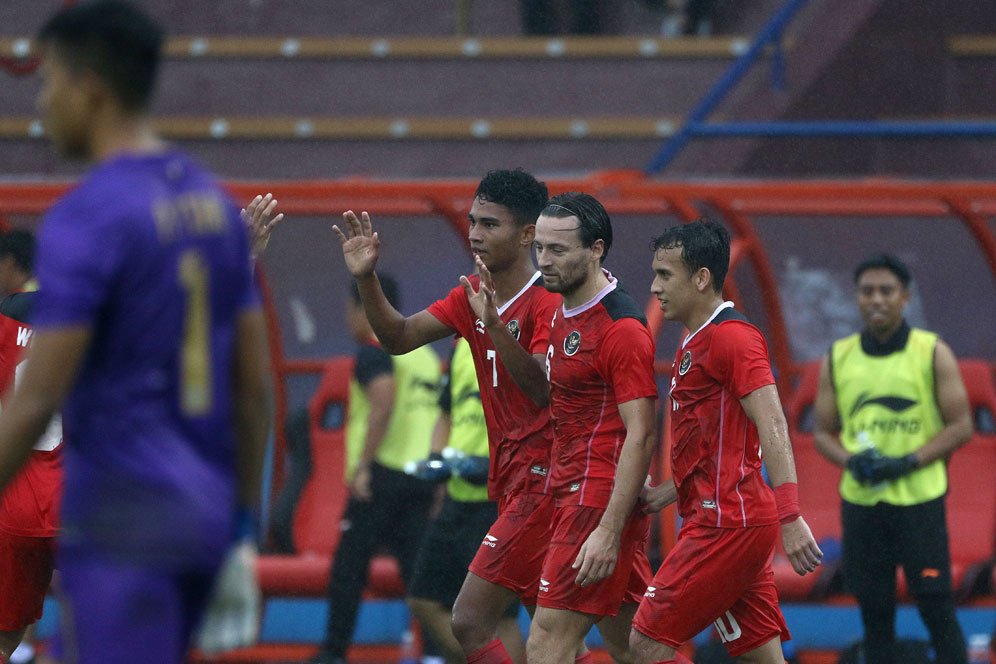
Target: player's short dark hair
[704,244]
[19,245]
[595,222]
[885,262]
[517,190]
[115,40]
[387,284]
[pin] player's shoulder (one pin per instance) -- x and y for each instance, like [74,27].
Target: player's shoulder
[729,321]
[17,306]
[620,305]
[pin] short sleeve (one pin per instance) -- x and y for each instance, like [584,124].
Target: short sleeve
[446,391]
[451,311]
[626,360]
[739,357]
[546,306]
[77,264]
[372,362]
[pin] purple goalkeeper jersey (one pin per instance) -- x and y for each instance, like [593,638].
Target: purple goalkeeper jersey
[150,254]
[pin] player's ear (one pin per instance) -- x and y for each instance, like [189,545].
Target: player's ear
[703,279]
[528,235]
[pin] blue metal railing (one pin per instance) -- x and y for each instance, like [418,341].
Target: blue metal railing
[695,125]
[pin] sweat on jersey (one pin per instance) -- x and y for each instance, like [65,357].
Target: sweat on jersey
[150,254]
[601,354]
[716,452]
[518,429]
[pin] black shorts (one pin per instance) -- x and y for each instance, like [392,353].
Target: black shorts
[879,538]
[450,543]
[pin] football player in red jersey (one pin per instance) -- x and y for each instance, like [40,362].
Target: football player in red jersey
[725,412]
[29,506]
[508,351]
[600,366]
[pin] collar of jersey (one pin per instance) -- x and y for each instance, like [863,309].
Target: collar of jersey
[725,305]
[529,283]
[611,286]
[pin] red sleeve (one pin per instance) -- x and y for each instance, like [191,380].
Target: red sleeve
[626,360]
[453,310]
[546,305]
[739,357]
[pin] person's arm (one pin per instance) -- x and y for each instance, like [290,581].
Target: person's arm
[765,410]
[598,555]
[952,401]
[398,334]
[527,370]
[49,373]
[253,404]
[380,388]
[826,426]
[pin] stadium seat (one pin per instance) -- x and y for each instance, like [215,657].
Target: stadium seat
[316,519]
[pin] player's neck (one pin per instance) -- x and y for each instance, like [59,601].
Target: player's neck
[508,283]
[588,289]
[115,134]
[701,313]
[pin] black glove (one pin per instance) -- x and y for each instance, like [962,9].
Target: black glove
[473,469]
[434,469]
[887,469]
[861,465]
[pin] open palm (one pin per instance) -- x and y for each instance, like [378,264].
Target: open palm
[360,243]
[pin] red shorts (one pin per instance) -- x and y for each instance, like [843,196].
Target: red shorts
[511,554]
[572,526]
[715,575]
[26,565]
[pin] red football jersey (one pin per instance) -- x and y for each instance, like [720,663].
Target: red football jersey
[518,429]
[716,453]
[601,354]
[29,505]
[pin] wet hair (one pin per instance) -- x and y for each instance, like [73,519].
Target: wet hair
[595,222]
[704,244]
[885,262]
[517,190]
[387,284]
[19,245]
[115,40]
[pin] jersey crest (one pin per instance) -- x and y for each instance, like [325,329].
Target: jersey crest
[685,364]
[572,342]
[514,329]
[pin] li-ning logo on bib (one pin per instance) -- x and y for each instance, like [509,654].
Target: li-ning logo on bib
[686,363]
[572,343]
[513,329]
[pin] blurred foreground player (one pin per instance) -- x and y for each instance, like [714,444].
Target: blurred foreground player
[149,335]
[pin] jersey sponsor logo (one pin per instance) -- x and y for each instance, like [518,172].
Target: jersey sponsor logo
[479,326]
[893,403]
[685,364]
[544,586]
[708,504]
[651,592]
[575,486]
[538,470]
[572,343]
[514,329]
[490,540]
[24,336]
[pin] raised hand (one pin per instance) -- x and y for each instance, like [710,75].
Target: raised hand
[360,243]
[482,301]
[260,221]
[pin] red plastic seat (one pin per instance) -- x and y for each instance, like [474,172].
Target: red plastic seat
[316,519]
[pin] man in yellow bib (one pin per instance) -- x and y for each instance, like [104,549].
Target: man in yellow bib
[891,408]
